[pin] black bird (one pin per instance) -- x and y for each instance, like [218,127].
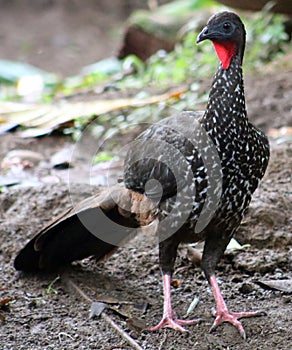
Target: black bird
[193,174]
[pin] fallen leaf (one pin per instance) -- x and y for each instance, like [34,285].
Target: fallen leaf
[31,132]
[46,118]
[23,155]
[96,309]
[7,127]
[12,71]
[194,255]
[282,285]
[234,245]
[4,302]
[9,180]
[136,324]
[62,159]
[175,283]
[110,300]
[192,306]
[127,310]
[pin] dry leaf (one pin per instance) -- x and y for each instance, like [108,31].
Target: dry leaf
[282,285]
[192,306]
[43,119]
[194,255]
[175,283]
[96,309]
[4,302]
[136,324]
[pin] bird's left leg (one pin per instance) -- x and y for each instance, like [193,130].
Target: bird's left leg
[222,314]
[213,250]
[169,319]
[167,256]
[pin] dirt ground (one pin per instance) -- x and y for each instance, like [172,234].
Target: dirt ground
[58,317]
[46,312]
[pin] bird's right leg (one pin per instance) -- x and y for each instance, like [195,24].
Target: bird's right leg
[167,256]
[213,250]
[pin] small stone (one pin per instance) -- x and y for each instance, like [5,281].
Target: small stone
[246,288]
[287,299]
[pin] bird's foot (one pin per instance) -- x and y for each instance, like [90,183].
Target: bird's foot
[168,318]
[172,322]
[233,318]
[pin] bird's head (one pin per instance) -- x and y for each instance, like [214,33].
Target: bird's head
[226,31]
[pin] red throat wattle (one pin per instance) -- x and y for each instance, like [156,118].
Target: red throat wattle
[225,51]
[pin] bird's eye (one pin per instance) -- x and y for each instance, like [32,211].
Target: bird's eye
[227,26]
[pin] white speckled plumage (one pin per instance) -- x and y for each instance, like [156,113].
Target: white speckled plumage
[243,152]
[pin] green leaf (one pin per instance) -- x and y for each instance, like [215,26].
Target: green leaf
[11,72]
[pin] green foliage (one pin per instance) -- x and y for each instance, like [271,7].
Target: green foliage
[102,157]
[50,289]
[190,62]
[266,38]
[174,13]
[186,62]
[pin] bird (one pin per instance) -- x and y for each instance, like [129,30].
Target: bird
[190,175]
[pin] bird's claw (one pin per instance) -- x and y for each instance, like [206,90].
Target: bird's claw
[173,323]
[233,318]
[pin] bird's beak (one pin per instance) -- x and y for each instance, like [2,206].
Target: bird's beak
[203,35]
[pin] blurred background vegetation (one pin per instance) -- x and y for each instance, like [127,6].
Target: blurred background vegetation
[182,66]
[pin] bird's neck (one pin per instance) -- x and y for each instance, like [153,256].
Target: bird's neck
[226,103]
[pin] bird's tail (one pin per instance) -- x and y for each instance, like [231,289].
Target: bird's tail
[95,226]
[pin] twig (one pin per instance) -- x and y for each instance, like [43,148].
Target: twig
[64,334]
[78,290]
[106,318]
[122,333]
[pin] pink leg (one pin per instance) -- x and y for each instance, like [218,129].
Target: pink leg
[223,315]
[168,318]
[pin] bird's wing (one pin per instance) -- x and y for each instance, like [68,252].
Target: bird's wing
[95,226]
[163,152]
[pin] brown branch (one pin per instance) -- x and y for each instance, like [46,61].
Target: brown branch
[106,318]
